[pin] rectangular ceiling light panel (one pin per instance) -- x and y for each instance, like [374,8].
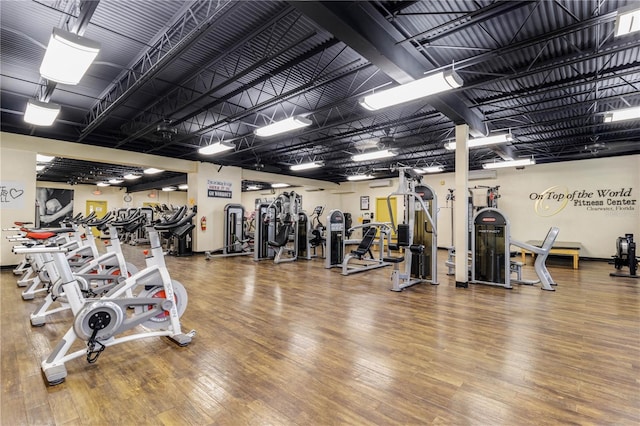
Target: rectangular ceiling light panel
[512,163]
[627,22]
[375,155]
[426,86]
[41,113]
[286,125]
[489,140]
[152,171]
[359,177]
[307,166]
[68,57]
[216,148]
[622,115]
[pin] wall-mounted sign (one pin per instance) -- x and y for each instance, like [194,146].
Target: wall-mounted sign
[219,189]
[11,195]
[553,200]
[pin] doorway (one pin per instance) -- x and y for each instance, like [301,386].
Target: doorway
[100,208]
[382,213]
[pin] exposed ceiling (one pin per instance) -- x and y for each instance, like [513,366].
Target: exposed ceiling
[174,76]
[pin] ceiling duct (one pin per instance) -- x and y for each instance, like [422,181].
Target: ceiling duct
[385,183]
[483,174]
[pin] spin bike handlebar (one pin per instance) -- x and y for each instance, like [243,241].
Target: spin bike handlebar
[179,221]
[87,219]
[101,221]
[173,218]
[127,220]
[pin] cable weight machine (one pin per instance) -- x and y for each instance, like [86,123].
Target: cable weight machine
[417,235]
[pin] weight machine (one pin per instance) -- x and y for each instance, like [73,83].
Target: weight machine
[417,235]
[236,242]
[335,239]
[317,229]
[265,231]
[282,227]
[625,257]
[336,243]
[490,256]
[366,259]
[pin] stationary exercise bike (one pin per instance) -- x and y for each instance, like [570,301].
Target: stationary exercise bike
[98,321]
[96,279]
[625,257]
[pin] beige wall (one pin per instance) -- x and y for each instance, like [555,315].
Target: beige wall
[594,228]
[17,176]
[212,208]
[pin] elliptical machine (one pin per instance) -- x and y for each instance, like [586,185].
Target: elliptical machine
[625,257]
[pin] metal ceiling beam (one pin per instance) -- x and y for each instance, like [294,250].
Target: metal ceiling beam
[154,61]
[218,118]
[566,84]
[463,22]
[533,41]
[184,94]
[361,27]
[87,8]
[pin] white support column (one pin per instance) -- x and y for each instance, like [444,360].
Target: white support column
[460,211]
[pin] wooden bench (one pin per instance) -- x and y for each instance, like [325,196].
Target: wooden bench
[561,248]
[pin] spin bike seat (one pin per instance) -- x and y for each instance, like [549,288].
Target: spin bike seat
[45,234]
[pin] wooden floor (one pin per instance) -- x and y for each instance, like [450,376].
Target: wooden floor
[296,344]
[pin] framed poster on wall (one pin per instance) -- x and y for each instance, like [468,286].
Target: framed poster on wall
[364,202]
[53,205]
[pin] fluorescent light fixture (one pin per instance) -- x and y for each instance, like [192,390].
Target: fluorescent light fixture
[40,167]
[103,184]
[132,176]
[253,187]
[43,158]
[431,169]
[426,86]
[286,125]
[489,140]
[115,181]
[216,148]
[622,114]
[279,185]
[41,113]
[306,166]
[512,163]
[152,171]
[627,22]
[359,177]
[183,187]
[169,188]
[68,57]
[373,155]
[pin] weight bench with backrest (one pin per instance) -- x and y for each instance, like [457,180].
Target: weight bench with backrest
[359,253]
[365,245]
